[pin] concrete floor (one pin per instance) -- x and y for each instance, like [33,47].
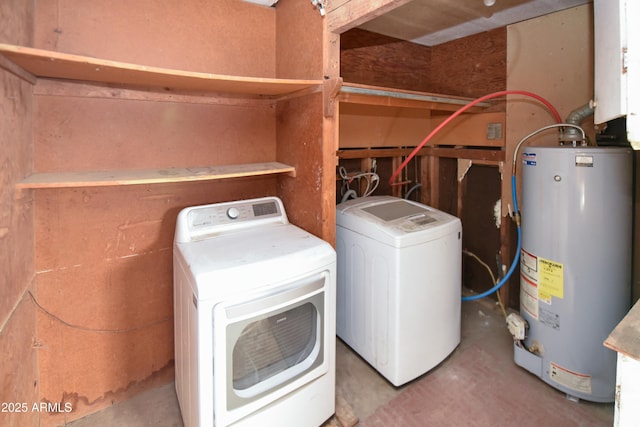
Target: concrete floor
[483,329]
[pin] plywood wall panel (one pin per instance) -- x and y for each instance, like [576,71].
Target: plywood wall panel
[378,60]
[551,56]
[121,312]
[17,22]
[299,40]
[112,294]
[16,213]
[301,145]
[222,36]
[364,126]
[471,66]
[18,370]
[83,133]
[16,234]
[79,226]
[482,129]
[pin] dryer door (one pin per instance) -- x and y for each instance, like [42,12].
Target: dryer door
[267,345]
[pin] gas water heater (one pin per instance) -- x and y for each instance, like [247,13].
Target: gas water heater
[575,267]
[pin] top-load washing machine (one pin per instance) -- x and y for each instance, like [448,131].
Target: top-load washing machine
[399,284]
[254,310]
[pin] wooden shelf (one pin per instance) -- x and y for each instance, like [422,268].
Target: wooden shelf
[32,64]
[151,176]
[371,95]
[55,65]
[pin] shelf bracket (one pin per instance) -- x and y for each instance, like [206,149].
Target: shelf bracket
[331,90]
[17,70]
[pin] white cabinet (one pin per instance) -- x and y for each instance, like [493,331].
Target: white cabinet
[624,340]
[627,412]
[617,64]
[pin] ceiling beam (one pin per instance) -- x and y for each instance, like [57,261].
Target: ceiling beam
[344,15]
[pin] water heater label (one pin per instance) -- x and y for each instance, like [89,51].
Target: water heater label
[573,380]
[528,302]
[540,280]
[584,161]
[529,283]
[529,159]
[550,280]
[549,318]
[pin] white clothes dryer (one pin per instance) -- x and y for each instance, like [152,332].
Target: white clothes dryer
[254,317]
[399,284]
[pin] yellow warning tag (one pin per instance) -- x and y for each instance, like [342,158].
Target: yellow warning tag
[550,280]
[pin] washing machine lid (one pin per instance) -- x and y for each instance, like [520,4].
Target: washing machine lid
[397,222]
[250,257]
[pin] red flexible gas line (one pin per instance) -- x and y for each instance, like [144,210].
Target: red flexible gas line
[462,110]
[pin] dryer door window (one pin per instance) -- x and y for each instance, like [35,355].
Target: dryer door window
[272,345]
[273,341]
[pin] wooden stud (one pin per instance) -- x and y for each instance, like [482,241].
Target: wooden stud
[331,89]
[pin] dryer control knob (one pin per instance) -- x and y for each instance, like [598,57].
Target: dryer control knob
[233,213]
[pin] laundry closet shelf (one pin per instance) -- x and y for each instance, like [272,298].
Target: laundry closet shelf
[40,63]
[151,176]
[352,93]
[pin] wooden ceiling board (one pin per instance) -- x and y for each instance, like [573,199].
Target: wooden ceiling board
[345,15]
[433,22]
[420,17]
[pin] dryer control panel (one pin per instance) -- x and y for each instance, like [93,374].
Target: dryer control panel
[203,221]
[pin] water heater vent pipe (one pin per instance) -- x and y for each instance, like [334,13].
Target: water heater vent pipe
[576,117]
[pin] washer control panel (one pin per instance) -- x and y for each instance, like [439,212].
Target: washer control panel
[216,218]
